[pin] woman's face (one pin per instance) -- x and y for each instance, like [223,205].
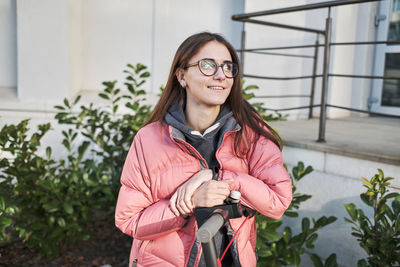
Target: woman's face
[207,91]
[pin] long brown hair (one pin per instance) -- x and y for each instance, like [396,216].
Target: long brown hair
[243,111]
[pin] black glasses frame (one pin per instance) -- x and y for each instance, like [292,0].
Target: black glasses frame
[197,63]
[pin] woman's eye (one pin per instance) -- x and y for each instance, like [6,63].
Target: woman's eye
[207,64]
[228,66]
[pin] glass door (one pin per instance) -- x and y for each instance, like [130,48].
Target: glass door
[386,93]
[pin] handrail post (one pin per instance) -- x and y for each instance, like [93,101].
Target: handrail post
[242,47]
[324,93]
[315,63]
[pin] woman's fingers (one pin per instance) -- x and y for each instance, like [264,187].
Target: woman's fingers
[211,193]
[180,204]
[181,200]
[172,204]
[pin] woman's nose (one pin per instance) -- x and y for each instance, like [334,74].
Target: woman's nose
[219,74]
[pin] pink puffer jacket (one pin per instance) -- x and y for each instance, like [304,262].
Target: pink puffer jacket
[158,162]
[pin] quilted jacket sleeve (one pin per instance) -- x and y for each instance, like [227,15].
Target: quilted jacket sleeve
[267,188]
[136,213]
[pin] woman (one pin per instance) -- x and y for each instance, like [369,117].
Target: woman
[201,141]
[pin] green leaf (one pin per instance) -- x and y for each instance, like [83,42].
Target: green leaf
[48,152]
[68,208]
[371,242]
[286,235]
[87,180]
[296,258]
[367,182]
[4,222]
[11,210]
[331,261]
[145,75]
[305,224]
[61,222]
[2,203]
[362,263]
[77,99]
[392,195]
[291,214]
[316,260]
[264,253]
[66,103]
[59,107]
[274,236]
[251,87]
[104,96]
[396,205]
[311,240]
[357,235]
[367,200]
[50,207]
[380,174]
[351,210]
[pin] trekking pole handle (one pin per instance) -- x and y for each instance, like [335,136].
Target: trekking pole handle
[207,231]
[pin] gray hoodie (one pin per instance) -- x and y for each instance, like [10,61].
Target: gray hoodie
[207,144]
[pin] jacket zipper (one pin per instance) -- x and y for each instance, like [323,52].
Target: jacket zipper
[204,165]
[141,249]
[193,152]
[223,140]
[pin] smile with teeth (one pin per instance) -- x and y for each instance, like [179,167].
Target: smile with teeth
[216,87]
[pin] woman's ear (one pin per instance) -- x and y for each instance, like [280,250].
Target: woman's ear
[180,76]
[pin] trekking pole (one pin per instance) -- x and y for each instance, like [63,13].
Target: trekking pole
[210,220]
[206,233]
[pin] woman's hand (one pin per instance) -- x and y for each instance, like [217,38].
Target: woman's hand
[211,193]
[181,200]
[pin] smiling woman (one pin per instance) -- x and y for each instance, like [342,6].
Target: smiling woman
[207,86]
[202,141]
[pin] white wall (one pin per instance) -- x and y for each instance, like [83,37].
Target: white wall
[65,46]
[43,46]
[120,32]
[75,49]
[115,33]
[175,20]
[351,24]
[8,44]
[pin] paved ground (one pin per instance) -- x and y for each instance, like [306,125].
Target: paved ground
[376,139]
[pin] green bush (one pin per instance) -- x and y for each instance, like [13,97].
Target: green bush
[52,202]
[286,248]
[379,237]
[110,133]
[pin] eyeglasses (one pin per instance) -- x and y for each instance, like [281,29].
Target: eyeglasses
[209,67]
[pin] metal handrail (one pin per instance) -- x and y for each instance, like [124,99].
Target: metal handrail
[281,78]
[319,45]
[335,106]
[326,33]
[299,8]
[280,25]
[280,54]
[321,75]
